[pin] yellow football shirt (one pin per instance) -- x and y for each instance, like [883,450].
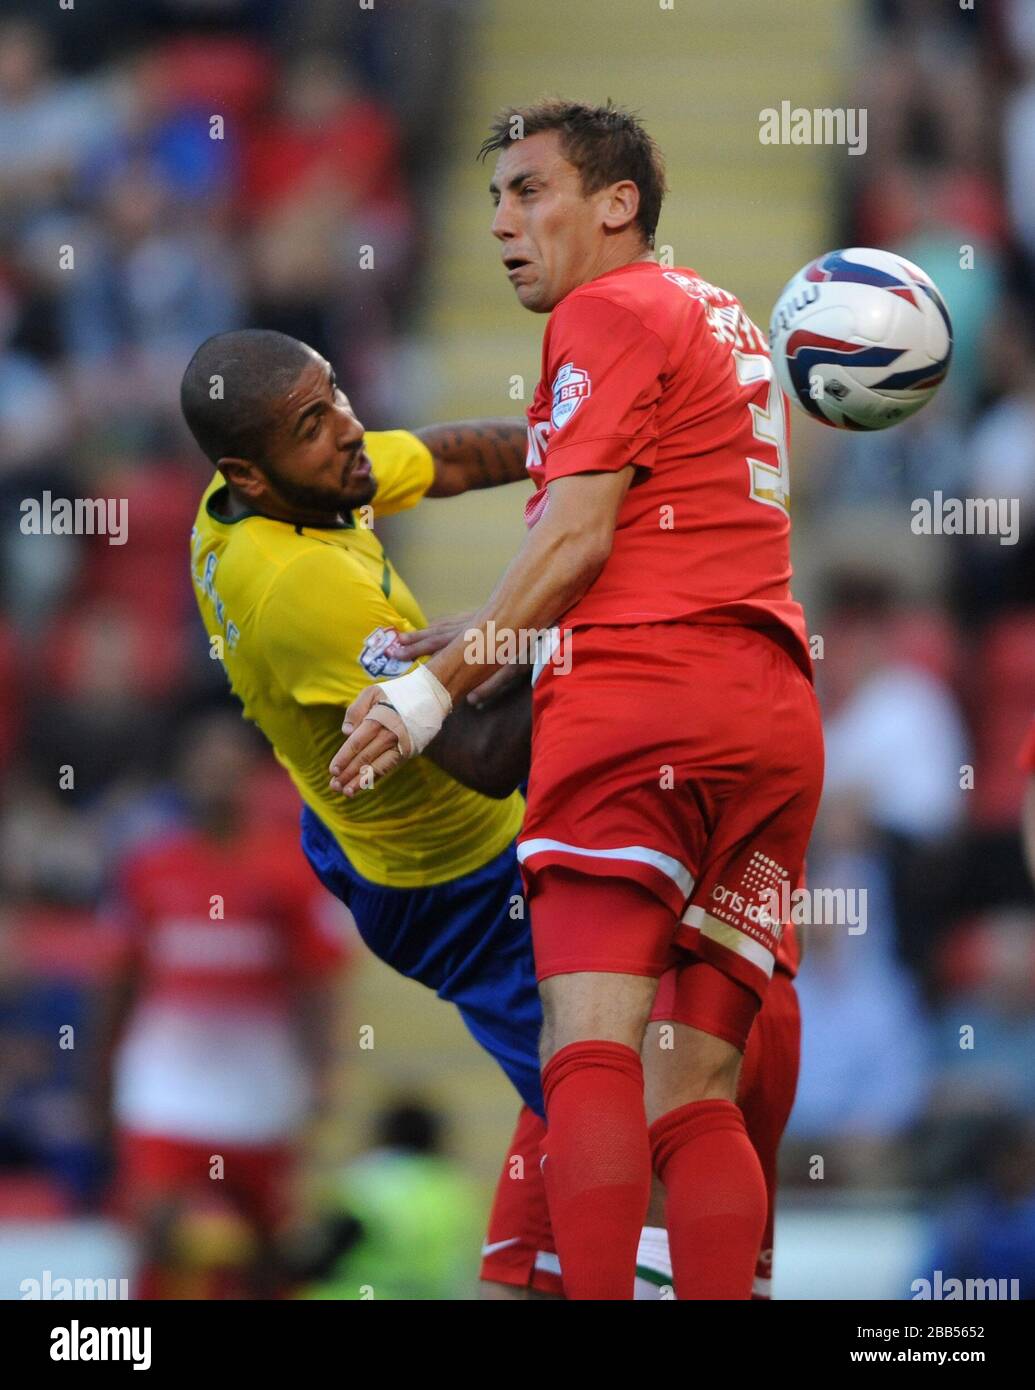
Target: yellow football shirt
[303,614]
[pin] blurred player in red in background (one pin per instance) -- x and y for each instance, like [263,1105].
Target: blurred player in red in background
[677,760]
[217,1036]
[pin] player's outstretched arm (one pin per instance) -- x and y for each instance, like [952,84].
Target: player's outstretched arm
[562,555]
[474,454]
[408,646]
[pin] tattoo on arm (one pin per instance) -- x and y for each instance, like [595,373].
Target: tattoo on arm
[475,454]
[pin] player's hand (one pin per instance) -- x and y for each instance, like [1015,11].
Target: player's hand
[373,748]
[408,646]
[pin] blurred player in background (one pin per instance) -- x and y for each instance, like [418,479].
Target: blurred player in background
[677,766]
[217,1039]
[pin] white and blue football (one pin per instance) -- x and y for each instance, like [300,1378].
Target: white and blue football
[861,339]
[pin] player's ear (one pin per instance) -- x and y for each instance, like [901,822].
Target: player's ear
[243,476]
[622,205]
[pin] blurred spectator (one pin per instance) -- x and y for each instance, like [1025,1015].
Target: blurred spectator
[865,1038]
[1001,465]
[34,421]
[45,1132]
[330,245]
[47,125]
[149,285]
[896,752]
[985,1027]
[1019,124]
[988,1230]
[401,1222]
[894,733]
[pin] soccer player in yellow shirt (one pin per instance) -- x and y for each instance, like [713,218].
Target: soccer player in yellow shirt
[302,605]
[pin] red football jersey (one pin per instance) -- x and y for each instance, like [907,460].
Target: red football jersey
[658,368]
[235,924]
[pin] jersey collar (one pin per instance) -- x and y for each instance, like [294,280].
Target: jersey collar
[349,524]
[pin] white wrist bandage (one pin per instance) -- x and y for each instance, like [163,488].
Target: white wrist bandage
[421,702]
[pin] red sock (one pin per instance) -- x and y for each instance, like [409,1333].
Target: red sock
[597,1171]
[715,1198]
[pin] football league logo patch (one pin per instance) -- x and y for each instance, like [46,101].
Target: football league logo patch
[571,386]
[373,660]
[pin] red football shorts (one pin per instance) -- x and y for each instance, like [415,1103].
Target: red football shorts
[686,758]
[519,1248]
[153,1167]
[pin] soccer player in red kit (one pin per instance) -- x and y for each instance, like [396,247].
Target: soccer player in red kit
[677,750]
[218,1026]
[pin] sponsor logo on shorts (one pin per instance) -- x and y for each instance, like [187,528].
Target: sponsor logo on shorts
[761,880]
[737,905]
[571,386]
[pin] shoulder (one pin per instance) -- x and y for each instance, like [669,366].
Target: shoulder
[309,568]
[386,446]
[403,469]
[625,306]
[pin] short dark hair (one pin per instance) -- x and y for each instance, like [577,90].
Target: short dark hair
[255,366]
[605,144]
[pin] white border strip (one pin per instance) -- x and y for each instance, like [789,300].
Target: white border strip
[678,873]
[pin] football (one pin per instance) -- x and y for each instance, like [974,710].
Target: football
[860,338]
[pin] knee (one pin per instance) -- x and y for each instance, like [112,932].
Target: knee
[590,1006]
[698,1067]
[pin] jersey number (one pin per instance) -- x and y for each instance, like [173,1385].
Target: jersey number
[770,483]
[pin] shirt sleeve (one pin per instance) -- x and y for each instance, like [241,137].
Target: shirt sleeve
[324,624]
[604,378]
[403,469]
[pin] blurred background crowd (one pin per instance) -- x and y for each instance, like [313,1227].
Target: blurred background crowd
[173,168]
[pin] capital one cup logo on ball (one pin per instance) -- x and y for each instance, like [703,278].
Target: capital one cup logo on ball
[861,339]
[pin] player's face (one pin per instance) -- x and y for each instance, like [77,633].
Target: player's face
[315,462]
[554,237]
